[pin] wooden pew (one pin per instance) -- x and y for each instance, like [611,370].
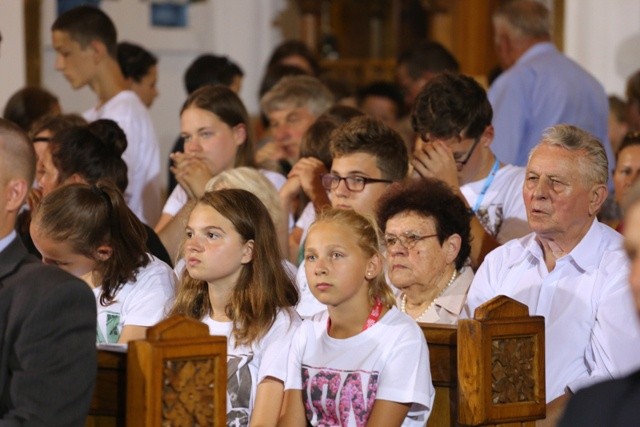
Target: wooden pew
[488,370]
[177,376]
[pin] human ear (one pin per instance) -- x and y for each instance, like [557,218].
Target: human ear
[374,266]
[104,252]
[598,195]
[487,136]
[15,192]
[451,247]
[99,49]
[239,134]
[247,252]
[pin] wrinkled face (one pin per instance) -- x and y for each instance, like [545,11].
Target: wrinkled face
[210,139]
[556,196]
[77,64]
[49,174]
[425,261]
[336,267]
[632,247]
[381,108]
[146,87]
[61,254]
[627,171]
[357,164]
[213,250]
[289,126]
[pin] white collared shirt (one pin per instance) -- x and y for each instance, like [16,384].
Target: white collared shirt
[592,330]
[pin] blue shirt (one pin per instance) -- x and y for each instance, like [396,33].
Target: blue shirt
[544,88]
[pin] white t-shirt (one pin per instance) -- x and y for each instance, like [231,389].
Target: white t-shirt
[143,302]
[247,366]
[178,197]
[142,155]
[341,378]
[501,212]
[592,331]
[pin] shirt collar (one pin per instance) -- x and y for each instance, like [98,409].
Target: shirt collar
[582,254]
[535,50]
[4,242]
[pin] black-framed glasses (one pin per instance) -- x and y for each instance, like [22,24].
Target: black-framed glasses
[353,183]
[406,240]
[469,153]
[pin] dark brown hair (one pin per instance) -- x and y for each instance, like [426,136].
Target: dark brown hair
[367,135]
[431,198]
[99,217]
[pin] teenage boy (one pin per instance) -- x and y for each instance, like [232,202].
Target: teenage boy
[453,116]
[367,156]
[85,41]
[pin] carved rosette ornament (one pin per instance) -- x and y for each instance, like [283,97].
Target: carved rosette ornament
[513,370]
[188,393]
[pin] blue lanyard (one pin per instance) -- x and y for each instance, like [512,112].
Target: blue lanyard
[487,184]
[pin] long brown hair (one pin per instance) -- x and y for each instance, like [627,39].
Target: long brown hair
[366,232]
[88,216]
[263,286]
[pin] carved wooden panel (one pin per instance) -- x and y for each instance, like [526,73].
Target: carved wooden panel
[512,373]
[187,395]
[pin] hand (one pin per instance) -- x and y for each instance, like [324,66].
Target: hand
[435,160]
[290,190]
[191,172]
[272,150]
[309,170]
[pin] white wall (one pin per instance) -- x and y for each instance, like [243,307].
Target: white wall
[604,37]
[241,29]
[12,52]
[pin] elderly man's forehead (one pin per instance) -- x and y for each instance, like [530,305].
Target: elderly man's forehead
[556,157]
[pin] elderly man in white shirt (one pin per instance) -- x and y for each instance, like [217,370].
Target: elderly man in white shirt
[572,269]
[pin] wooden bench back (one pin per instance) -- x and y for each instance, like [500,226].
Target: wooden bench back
[490,369]
[177,376]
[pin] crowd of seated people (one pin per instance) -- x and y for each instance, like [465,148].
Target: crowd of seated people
[318,248]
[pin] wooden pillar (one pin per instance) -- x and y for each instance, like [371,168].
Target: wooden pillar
[309,27]
[33,51]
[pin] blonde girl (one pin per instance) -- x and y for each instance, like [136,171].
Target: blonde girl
[362,362]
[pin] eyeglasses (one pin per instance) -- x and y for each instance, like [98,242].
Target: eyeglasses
[459,139]
[353,183]
[469,153]
[406,240]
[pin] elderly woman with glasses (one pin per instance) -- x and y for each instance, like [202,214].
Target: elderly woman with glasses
[426,235]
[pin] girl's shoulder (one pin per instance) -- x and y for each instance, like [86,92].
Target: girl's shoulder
[157,269]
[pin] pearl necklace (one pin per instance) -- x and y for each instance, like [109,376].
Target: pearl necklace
[403,300]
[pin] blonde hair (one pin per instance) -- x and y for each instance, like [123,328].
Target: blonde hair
[365,230]
[253,181]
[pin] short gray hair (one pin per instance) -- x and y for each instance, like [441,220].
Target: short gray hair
[296,92]
[530,18]
[593,159]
